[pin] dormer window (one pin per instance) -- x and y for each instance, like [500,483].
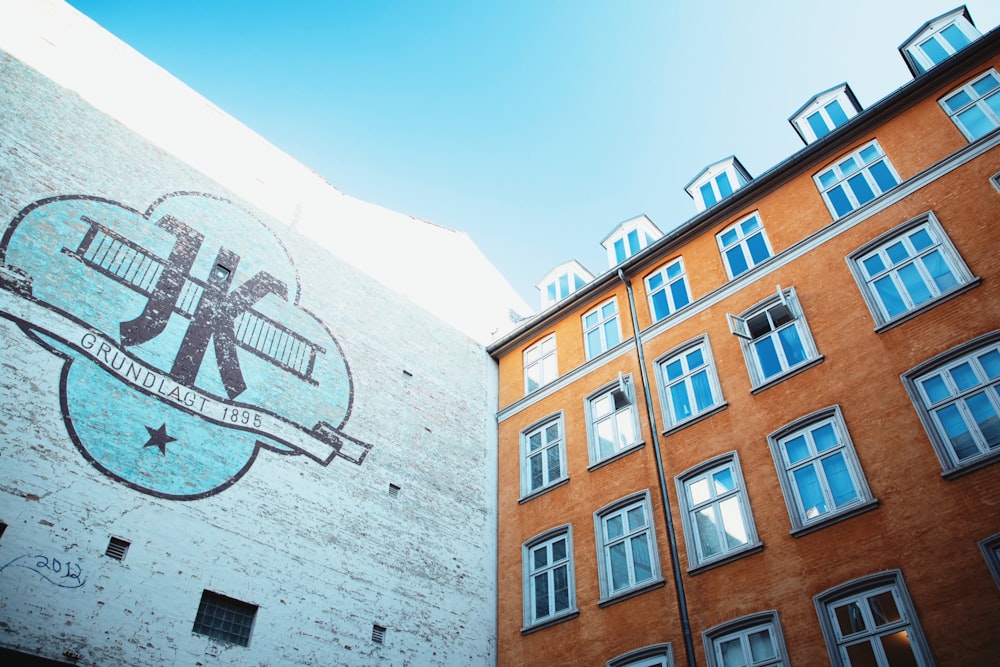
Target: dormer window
[716,182]
[630,237]
[938,40]
[825,112]
[562,281]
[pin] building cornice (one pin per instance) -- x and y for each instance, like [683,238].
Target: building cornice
[801,161]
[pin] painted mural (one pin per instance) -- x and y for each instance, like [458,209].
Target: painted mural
[186,350]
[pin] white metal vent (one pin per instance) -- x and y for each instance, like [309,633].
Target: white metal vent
[378,633]
[393,490]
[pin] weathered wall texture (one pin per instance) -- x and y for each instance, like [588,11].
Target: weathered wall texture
[185,373]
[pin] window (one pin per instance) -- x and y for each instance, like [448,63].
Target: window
[957,395]
[750,641]
[856,179]
[975,107]
[601,329]
[629,238]
[825,112]
[667,289]
[716,512]
[819,470]
[991,552]
[562,281]
[743,245]
[540,364]
[689,381]
[656,655]
[938,39]
[224,618]
[543,456]
[908,269]
[775,338]
[871,621]
[613,426]
[626,548]
[549,593]
[716,182]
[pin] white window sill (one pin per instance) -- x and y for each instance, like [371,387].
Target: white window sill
[791,372]
[924,307]
[748,550]
[846,513]
[543,490]
[562,617]
[695,419]
[617,455]
[972,465]
[650,585]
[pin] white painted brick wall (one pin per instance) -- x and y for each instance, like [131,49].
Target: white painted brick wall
[325,551]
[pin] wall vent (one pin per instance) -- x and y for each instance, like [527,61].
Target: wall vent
[378,633]
[117,548]
[393,490]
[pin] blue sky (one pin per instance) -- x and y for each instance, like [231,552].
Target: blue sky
[535,126]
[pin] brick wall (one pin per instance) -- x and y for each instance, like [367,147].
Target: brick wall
[245,498]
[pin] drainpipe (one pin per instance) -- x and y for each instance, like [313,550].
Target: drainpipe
[664,495]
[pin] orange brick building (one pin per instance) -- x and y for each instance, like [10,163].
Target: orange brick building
[770,436]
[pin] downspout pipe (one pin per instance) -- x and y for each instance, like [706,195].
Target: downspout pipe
[664,494]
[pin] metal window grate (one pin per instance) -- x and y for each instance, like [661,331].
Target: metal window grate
[117,548]
[225,618]
[393,490]
[378,633]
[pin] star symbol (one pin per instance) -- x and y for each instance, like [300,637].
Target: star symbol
[158,438]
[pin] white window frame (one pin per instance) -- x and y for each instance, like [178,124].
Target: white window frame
[690,506]
[820,104]
[863,591]
[665,383]
[808,519]
[991,552]
[958,400]
[915,262]
[563,280]
[557,444]
[978,101]
[541,356]
[842,175]
[532,621]
[741,242]
[654,655]
[601,325]
[735,174]
[740,629]
[783,304]
[622,508]
[619,396]
[666,288]
[912,49]
[634,235]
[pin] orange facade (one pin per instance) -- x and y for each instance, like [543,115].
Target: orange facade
[915,521]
